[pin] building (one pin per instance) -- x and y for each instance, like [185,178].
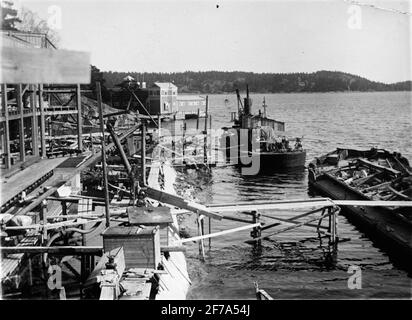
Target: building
[162,98]
[191,102]
[28,110]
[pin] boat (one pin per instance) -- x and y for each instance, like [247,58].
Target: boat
[376,175]
[267,142]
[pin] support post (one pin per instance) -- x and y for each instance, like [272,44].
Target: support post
[200,229]
[43,219]
[105,186]
[205,149]
[184,142]
[30,267]
[42,123]
[205,132]
[256,232]
[206,112]
[34,124]
[333,232]
[6,124]
[91,142]
[79,116]
[64,208]
[159,121]
[197,120]
[173,148]
[210,231]
[19,98]
[143,152]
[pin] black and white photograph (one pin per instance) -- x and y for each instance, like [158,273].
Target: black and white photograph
[221,151]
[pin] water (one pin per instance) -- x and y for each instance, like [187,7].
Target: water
[295,264]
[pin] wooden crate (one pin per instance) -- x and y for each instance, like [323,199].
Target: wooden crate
[141,246]
[152,216]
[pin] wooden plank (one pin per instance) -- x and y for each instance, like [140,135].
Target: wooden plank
[237,219]
[263,295]
[273,206]
[261,202]
[173,249]
[377,166]
[66,250]
[370,203]
[291,227]
[211,235]
[177,201]
[32,65]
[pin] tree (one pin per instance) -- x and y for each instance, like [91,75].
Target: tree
[97,76]
[31,22]
[8,16]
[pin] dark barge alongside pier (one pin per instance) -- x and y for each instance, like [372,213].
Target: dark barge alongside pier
[376,175]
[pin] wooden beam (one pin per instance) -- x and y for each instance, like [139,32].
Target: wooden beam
[370,203]
[34,124]
[275,205]
[173,249]
[32,65]
[64,250]
[19,98]
[236,219]
[182,203]
[292,227]
[379,167]
[211,235]
[103,152]
[6,124]
[42,123]
[79,118]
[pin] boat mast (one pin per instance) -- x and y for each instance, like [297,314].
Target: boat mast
[246,108]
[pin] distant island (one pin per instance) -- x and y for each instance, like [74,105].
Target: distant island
[222,82]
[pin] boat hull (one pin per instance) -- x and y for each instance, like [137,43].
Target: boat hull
[380,223]
[275,161]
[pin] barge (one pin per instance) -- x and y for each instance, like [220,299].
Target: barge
[375,175]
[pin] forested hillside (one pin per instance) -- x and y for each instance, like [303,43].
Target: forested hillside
[219,82]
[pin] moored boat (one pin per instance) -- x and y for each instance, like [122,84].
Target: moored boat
[375,174]
[266,141]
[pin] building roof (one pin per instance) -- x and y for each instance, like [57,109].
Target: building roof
[164,85]
[128,78]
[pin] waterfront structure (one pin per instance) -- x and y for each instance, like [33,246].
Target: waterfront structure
[27,109]
[192,101]
[162,98]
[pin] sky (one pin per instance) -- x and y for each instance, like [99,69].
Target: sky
[369,38]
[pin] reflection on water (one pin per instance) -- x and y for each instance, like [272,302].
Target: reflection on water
[297,264]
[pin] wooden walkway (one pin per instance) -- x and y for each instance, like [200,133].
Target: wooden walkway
[23,179]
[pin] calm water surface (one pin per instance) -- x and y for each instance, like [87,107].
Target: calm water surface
[294,265]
